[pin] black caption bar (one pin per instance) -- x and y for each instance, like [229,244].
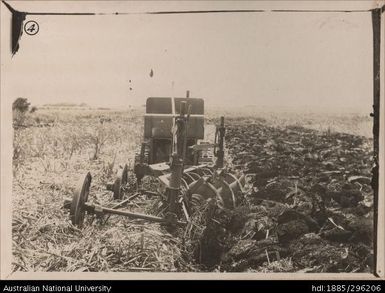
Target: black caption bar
[240,286]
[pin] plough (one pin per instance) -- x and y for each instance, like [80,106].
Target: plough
[188,176]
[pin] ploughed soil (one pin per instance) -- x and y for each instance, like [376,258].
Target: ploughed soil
[308,205]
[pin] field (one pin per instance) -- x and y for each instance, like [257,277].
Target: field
[309,207]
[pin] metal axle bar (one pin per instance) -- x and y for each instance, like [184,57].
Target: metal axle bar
[97,209]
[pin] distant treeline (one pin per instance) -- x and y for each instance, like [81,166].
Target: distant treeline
[66,105]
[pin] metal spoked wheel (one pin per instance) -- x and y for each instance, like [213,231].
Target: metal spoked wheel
[79,199]
[117,190]
[120,182]
[124,175]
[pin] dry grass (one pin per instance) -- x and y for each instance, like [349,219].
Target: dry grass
[49,160]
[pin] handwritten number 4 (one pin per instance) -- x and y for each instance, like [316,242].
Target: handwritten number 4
[31,28]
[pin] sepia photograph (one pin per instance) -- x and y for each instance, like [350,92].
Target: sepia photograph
[197,139]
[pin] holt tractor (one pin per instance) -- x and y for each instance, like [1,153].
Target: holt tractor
[190,171]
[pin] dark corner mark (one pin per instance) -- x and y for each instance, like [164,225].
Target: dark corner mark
[18,18]
[16,27]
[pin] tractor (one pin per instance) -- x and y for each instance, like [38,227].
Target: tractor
[189,170]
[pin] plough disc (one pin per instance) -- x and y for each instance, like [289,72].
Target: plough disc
[226,193]
[197,200]
[209,183]
[80,197]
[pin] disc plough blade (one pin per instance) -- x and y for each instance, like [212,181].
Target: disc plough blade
[202,183]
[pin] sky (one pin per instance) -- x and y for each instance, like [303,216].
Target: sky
[298,60]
